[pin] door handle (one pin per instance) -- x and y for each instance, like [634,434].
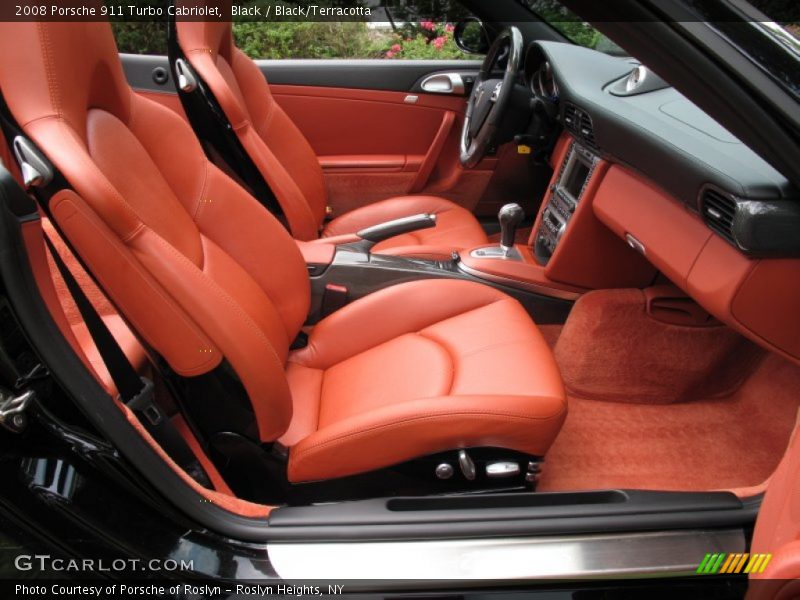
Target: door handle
[444,83]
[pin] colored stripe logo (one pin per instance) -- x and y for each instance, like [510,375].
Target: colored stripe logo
[723,563]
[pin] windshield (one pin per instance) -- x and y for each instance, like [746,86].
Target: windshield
[572,26]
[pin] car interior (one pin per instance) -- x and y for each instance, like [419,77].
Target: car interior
[559,275]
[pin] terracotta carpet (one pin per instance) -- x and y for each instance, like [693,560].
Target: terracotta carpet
[654,406]
[698,445]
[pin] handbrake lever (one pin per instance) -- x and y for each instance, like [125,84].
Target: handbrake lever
[383,231]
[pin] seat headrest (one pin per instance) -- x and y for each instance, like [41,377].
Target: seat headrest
[85,73]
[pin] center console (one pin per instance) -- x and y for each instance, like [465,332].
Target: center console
[565,194]
[568,252]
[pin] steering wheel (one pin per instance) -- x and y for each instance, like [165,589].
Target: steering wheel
[490,97]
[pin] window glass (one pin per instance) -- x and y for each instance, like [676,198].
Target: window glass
[381,40]
[571,26]
[141,38]
[396,30]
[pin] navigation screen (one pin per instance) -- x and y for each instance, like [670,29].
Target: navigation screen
[575,178]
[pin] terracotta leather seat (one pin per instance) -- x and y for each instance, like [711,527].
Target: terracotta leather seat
[288,163]
[207,276]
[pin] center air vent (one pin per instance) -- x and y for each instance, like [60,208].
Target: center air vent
[587,130]
[579,123]
[718,211]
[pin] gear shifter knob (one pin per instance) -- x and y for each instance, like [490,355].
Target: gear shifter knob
[510,216]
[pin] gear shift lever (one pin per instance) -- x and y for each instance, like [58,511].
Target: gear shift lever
[510,216]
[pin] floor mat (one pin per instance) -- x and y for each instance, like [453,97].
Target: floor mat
[697,445]
[612,349]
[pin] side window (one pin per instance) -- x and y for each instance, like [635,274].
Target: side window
[141,38]
[397,33]
[425,39]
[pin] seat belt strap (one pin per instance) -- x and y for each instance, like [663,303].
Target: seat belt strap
[134,391]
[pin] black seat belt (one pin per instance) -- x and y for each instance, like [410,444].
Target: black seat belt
[134,391]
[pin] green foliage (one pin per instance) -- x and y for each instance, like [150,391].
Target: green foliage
[309,39]
[427,40]
[141,38]
[582,34]
[571,25]
[306,39]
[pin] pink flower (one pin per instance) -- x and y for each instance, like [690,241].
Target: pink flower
[449,28]
[439,42]
[390,54]
[427,25]
[397,48]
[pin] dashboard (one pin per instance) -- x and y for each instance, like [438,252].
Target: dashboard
[664,177]
[623,112]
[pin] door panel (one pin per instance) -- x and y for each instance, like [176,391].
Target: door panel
[374,144]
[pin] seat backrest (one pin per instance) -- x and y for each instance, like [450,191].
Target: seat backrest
[195,264]
[274,143]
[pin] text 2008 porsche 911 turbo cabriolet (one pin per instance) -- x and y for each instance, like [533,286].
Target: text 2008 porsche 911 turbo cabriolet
[526,319]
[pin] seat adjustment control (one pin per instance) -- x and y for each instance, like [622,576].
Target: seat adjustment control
[500,469]
[534,472]
[444,471]
[466,465]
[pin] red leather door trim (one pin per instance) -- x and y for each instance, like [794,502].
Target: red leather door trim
[432,157]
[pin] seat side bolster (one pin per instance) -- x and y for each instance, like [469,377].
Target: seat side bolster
[246,330]
[146,305]
[409,430]
[372,320]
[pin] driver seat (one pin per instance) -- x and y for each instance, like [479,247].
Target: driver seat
[289,165]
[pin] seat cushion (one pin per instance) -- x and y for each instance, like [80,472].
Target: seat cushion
[420,368]
[456,228]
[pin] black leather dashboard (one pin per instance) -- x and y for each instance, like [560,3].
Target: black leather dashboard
[659,133]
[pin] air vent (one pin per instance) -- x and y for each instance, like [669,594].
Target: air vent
[718,211]
[587,130]
[571,118]
[579,123]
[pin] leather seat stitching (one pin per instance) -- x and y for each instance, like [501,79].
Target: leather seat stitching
[199,201]
[450,356]
[429,325]
[52,82]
